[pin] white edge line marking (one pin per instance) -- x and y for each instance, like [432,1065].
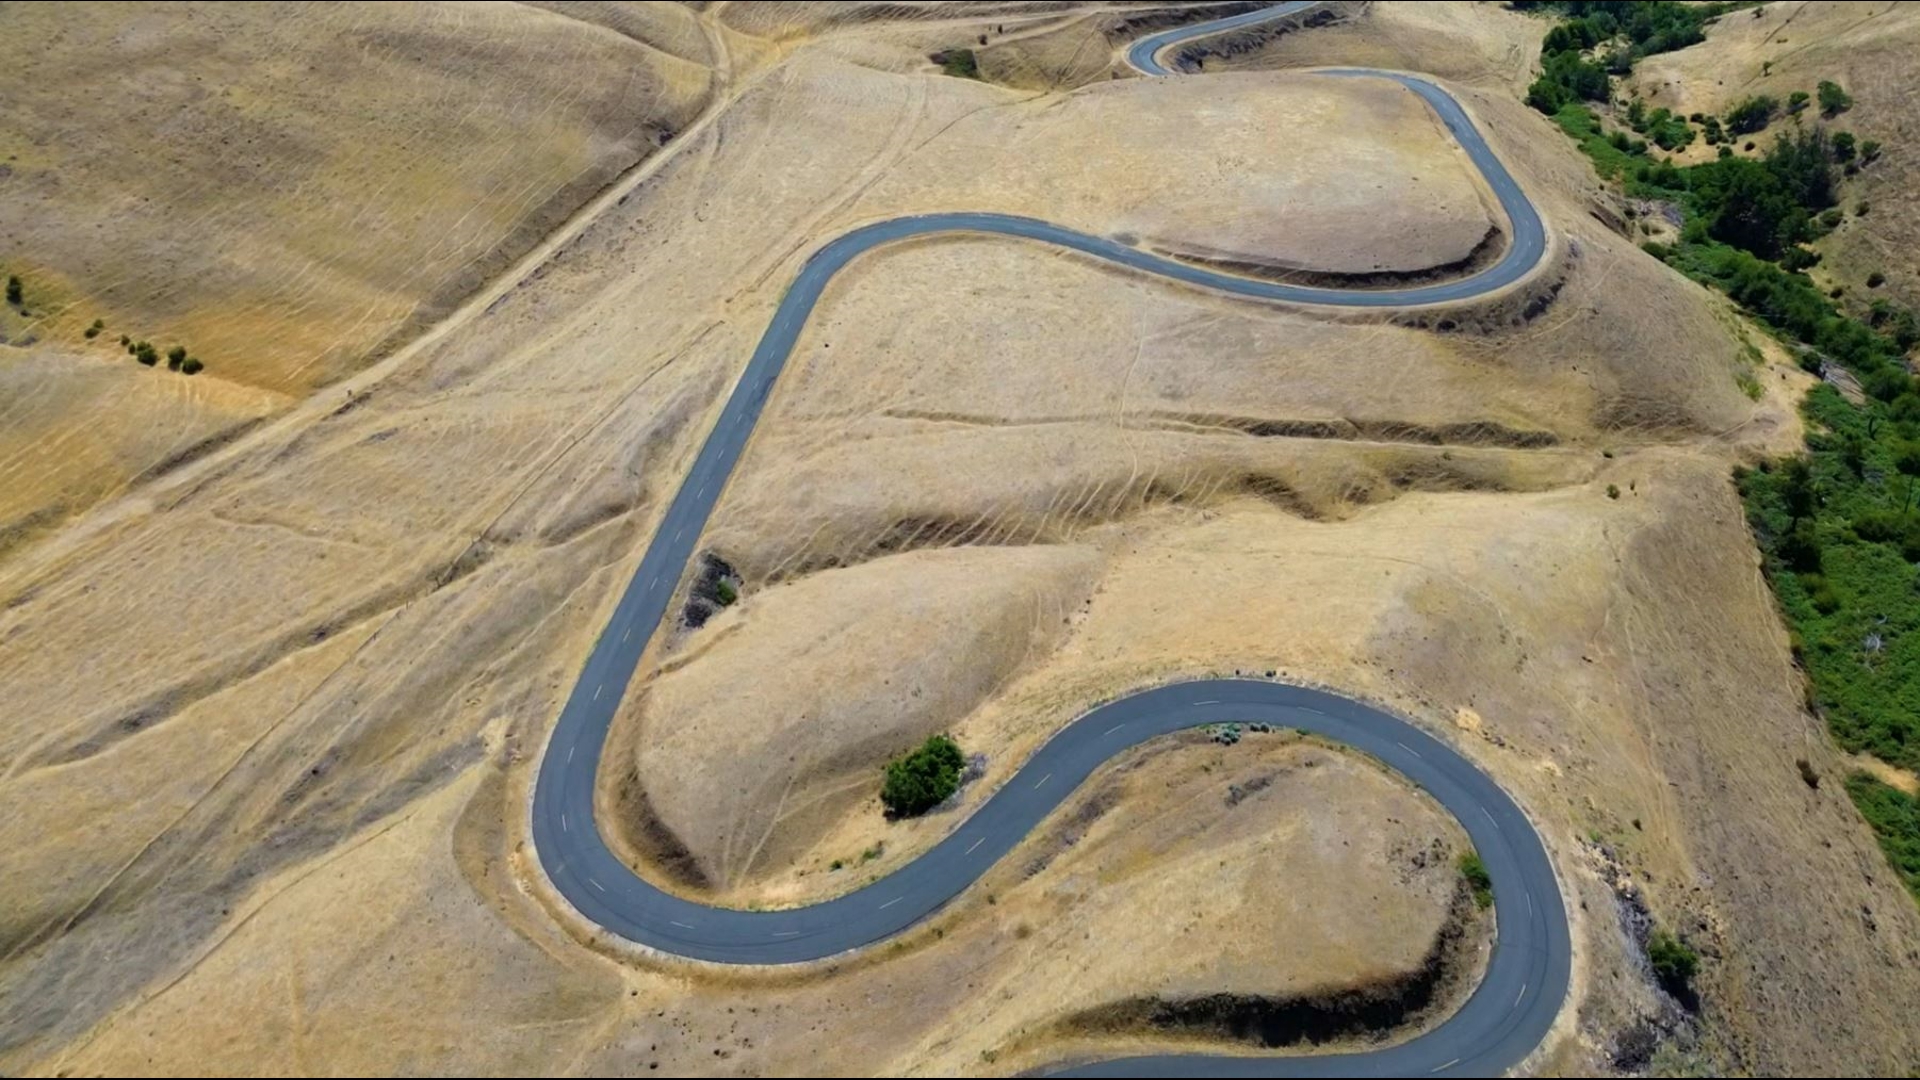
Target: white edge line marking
[976,844]
[891,902]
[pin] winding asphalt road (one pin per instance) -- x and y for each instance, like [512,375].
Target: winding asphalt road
[1527,976]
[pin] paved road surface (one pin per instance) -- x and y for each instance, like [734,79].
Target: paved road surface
[1526,979]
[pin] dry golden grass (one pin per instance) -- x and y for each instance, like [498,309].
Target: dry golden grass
[267,743]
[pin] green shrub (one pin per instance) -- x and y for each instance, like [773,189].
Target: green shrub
[191,366]
[1752,114]
[15,293]
[1798,101]
[126,342]
[1477,878]
[93,329]
[726,592]
[1869,151]
[1674,962]
[1613,491]
[1844,146]
[959,63]
[1833,99]
[1876,279]
[922,779]
[144,352]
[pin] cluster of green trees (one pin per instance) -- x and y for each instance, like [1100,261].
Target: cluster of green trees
[1839,526]
[177,358]
[1660,126]
[924,778]
[1574,65]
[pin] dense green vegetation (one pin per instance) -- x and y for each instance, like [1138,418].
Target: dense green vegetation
[1674,962]
[15,295]
[1895,816]
[1598,39]
[1477,878]
[959,63]
[922,779]
[1839,526]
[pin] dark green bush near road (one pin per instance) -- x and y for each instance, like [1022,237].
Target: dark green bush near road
[1674,962]
[1475,872]
[1895,817]
[923,779]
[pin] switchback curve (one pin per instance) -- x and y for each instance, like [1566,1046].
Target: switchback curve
[1518,997]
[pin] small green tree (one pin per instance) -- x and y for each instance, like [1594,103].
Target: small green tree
[1674,962]
[1833,99]
[144,352]
[93,330]
[1869,151]
[923,779]
[726,591]
[1843,146]
[191,366]
[14,292]
[1797,101]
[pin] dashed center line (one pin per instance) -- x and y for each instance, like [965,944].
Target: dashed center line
[976,844]
[1448,1065]
[596,885]
[891,902]
[1042,780]
[681,925]
[1409,749]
